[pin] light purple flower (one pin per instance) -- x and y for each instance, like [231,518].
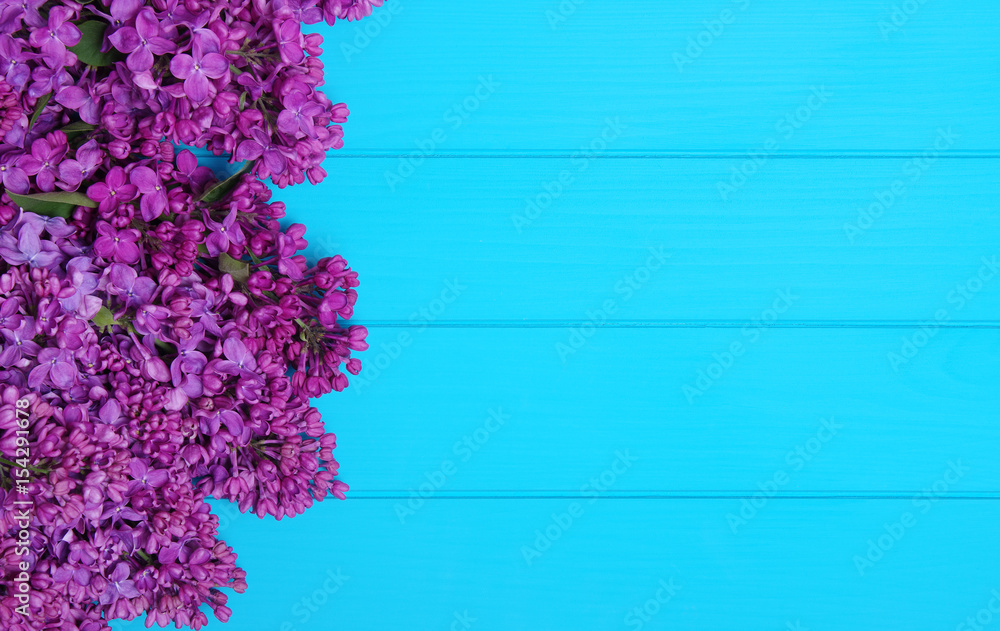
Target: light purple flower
[57,36]
[114,190]
[260,144]
[129,286]
[239,361]
[223,234]
[154,195]
[204,63]
[142,42]
[30,249]
[117,245]
[56,365]
[119,585]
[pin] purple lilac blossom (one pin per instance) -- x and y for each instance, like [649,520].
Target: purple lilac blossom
[164,344]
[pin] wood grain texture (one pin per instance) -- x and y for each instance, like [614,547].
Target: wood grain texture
[794,561]
[813,226]
[555,85]
[695,417]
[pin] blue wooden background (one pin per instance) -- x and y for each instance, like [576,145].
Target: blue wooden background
[683,316]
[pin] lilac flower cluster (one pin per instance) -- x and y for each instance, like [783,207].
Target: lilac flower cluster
[162,335]
[236,76]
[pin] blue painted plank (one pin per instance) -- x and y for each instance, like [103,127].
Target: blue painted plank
[532,410]
[461,240]
[354,566]
[492,76]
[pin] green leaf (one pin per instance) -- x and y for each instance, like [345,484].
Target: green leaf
[77,126]
[61,204]
[239,270]
[219,191]
[88,50]
[42,102]
[103,317]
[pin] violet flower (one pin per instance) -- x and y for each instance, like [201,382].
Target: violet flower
[55,365]
[154,196]
[202,64]
[57,37]
[126,283]
[142,41]
[117,245]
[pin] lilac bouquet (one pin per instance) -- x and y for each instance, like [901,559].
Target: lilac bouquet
[162,335]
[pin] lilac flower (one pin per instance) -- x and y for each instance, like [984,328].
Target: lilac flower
[117,245]
[155,379]
[299,114]
[304,11]
[83,283]
[14,178]
[43,161]
[89,158]
[14,61]
[123,11]
[149,319]
[119,585]
[19,343]
[154,196]
[56,365]
[114,190]
[202,64]
[129,286]
[289,37]
[223,234]
[142,42]
[260,144]
[57,37]
[145,478]
[10,317]
[28,248]
[239,361]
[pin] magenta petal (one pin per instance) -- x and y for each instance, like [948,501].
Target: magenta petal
[248,150]
[145,178]
[196,87]
[182,66]
[214,65]
[140,61]
[274,161]
[125,39]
